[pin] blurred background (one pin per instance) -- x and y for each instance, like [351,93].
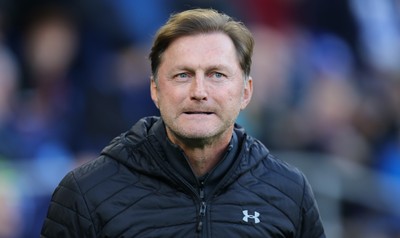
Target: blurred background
[74,74]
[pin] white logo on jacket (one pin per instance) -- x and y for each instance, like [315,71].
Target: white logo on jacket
[247,216]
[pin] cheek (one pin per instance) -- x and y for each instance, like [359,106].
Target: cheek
[233,101]
[169,98]
[241,101]
[236,96]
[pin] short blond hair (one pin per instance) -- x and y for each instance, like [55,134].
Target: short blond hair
[198,21]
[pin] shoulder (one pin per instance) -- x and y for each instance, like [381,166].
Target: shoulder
[284,170]
[281,176]
[272,164]
[115,161]
[69,210]
[115,158]
[92,173]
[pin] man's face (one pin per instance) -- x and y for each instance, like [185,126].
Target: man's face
[201,88]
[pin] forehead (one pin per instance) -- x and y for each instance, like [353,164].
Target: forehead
[211,48]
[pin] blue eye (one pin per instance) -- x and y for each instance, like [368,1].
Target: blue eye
[183,75]
[218,75]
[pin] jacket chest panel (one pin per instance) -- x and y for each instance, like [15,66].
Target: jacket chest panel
[254,211]
[146,209]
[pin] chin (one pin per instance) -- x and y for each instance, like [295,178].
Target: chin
[198,134]
[196,131]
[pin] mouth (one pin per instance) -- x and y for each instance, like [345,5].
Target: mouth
[198,113]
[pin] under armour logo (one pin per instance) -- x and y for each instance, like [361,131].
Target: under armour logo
[247,216]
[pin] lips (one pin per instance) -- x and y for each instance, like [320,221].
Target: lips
[200,113]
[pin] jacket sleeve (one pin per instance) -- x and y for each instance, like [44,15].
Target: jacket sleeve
[68,215]
[311,223]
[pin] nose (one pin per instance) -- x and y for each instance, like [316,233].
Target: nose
[198,89]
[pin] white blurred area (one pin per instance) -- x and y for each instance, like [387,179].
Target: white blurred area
[74,74]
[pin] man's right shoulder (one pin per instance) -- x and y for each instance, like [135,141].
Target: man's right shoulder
[92,173]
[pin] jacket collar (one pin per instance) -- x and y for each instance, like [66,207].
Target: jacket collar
[176,157]
[132,150]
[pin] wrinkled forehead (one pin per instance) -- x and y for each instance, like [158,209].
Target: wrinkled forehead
[211,49]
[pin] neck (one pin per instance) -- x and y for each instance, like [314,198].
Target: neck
[204,160]
[203,157]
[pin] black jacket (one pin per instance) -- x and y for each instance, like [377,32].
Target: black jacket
[142,186]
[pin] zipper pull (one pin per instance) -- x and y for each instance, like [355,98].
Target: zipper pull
[201,193]
[202,212]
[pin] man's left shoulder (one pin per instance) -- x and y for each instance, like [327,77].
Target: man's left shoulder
[282,167]
[274,165]
[281,178]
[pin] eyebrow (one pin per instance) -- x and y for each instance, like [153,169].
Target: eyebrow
[207,69]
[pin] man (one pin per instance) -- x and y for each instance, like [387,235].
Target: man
[192,172]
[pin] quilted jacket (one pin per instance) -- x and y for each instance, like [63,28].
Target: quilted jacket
[142,186]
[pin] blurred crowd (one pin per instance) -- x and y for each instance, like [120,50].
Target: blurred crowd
[74,74]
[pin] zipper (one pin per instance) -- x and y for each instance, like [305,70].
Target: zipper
[203,207]
[176,177]
[202,213]
[199,195]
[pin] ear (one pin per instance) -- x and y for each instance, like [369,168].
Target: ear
[153,91]
[247,93]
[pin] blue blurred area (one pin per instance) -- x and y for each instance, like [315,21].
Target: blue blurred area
[74,74]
